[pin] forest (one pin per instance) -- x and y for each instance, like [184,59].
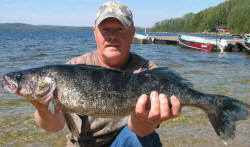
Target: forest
[235,14]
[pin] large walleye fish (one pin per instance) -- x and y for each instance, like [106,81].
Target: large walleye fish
[102,92]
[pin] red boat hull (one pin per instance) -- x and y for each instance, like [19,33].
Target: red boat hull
[196,45]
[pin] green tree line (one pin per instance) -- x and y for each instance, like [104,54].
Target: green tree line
[235,14]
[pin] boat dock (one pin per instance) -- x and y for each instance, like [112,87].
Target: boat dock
[235,43]
[173,40]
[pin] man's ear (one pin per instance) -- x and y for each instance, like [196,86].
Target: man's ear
[95,31]
[133,30]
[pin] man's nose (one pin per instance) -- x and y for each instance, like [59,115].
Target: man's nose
[112,35]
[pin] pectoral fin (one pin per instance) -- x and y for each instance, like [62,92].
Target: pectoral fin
[74,129]
[51,106]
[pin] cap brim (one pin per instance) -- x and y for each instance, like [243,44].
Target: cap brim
[121,18]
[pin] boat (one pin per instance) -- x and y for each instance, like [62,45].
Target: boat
[142,39]
[201,43]
[247,43]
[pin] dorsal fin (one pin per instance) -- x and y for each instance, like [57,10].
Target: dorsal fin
[95,67]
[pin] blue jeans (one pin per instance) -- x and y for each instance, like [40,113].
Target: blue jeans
[126,138]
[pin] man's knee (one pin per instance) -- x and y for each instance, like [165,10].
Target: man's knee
[129,139]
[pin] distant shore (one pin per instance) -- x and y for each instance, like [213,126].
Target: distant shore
[30,27]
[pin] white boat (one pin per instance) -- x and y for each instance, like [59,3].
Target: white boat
[142,39]
[247,42]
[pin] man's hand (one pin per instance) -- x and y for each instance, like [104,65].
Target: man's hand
[45,119]
[143,122]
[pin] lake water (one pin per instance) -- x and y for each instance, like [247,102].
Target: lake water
[221,73]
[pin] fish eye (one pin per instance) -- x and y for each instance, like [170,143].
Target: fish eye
[18,76]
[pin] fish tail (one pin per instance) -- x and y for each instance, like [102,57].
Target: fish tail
[223,118]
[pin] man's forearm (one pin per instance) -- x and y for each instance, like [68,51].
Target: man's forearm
[50,122]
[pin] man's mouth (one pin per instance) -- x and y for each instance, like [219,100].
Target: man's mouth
[112,44]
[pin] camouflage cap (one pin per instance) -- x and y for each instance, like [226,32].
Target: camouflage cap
[115,10]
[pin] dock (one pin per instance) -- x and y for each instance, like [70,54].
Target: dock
[170,40]
[173,40]
[235,43]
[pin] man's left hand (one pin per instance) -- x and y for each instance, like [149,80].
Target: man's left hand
[143,122]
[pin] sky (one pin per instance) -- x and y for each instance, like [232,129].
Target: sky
[82,12]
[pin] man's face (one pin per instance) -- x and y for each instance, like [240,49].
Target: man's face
[113,39]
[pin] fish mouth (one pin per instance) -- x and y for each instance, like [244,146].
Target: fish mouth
[9,84]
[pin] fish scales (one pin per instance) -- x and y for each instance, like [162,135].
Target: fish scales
[103,95]
[103,92]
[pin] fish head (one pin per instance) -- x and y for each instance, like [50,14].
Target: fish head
[34,84]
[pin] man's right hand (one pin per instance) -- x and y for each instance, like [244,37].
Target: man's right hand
[45,119]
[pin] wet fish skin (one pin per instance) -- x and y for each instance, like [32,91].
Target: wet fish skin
[102,92]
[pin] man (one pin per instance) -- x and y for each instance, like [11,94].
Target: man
[114,30]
